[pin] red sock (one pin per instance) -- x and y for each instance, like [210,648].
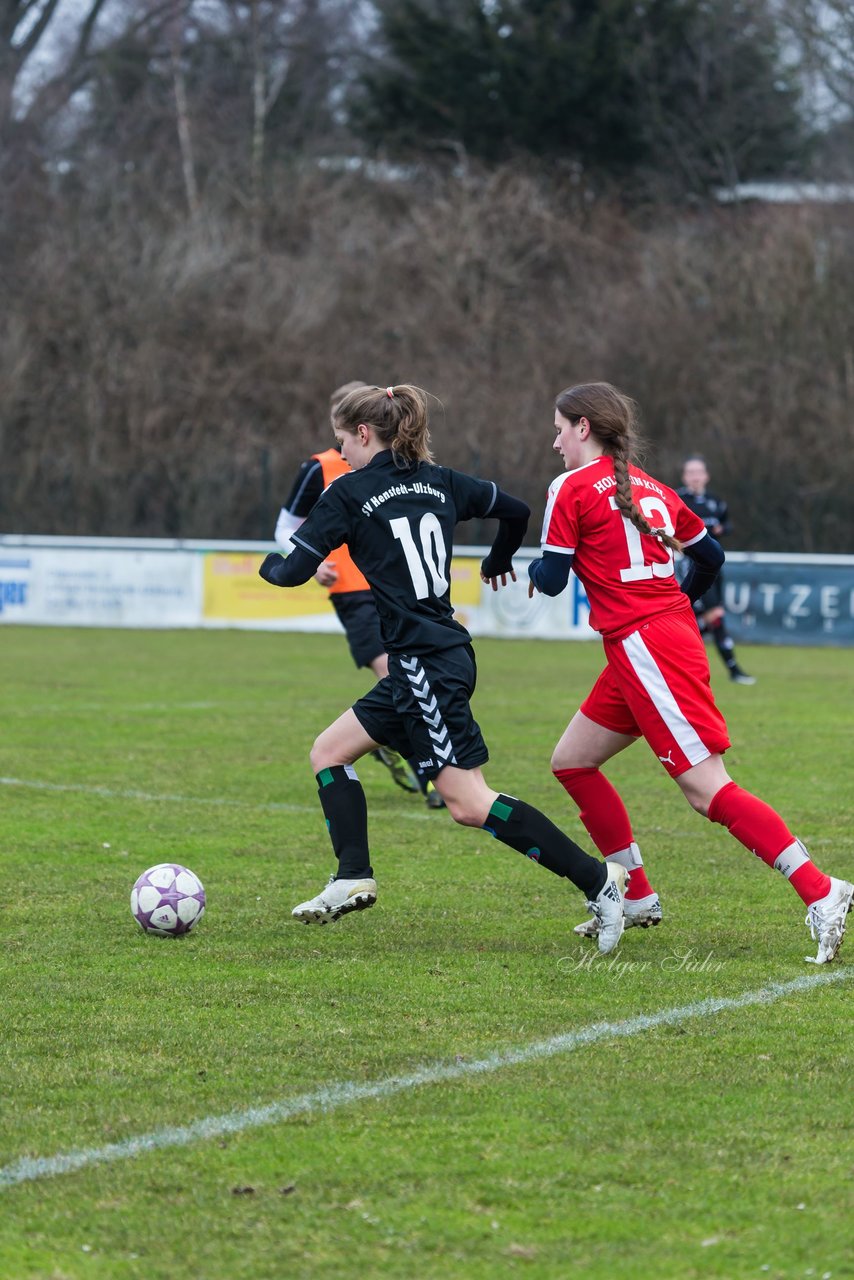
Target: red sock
[761,830]
[604,815]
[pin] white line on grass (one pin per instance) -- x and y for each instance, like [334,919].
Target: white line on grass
[109,793]
[330,1096]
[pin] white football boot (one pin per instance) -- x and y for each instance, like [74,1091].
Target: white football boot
[607,908]
[339,898]
[639,914]
[826,920]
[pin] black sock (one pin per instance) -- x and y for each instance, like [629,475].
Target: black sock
[345,809]
[724,645]
[525,829]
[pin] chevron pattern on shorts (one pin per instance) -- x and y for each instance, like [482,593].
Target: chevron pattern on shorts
[430,713]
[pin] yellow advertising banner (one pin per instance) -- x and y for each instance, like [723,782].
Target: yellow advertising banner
[233,592]
[465,581]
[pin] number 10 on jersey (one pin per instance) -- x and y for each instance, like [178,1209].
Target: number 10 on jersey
[430,557]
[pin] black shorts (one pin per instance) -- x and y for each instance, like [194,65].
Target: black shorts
[422,709]
[358,615]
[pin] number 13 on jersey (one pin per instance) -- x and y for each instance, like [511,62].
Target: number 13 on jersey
[658,515]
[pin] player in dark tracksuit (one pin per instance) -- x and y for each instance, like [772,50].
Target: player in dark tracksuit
[709,608]
[397,511]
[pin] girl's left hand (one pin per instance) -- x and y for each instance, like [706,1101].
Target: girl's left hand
[502,576]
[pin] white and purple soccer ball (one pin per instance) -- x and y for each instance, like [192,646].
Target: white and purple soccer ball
[167,899]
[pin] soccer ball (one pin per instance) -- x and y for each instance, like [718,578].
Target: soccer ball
[167,899]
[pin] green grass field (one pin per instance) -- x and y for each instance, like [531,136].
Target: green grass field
[717,1145]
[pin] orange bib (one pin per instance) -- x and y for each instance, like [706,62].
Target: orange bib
[349,577]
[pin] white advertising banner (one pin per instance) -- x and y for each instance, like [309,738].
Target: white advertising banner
[153,582]
[508,612]
[79,587]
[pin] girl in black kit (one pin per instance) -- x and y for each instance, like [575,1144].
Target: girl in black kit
[709,607]
[396,511]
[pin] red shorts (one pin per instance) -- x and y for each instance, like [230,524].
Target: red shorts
[656,685]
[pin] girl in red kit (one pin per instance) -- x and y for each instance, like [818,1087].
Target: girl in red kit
[618,527]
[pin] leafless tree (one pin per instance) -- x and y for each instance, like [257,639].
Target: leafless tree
[176,34]
[155,369]
[822,31]
[27,26]
[150,379]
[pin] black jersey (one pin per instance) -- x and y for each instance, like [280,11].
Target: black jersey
[307,488]
[712,510]
[398,523]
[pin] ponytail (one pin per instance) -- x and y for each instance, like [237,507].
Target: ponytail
[398,415]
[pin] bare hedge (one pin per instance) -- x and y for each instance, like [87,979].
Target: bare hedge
[164,377]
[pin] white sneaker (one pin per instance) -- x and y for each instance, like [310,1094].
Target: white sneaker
[337,899]
[826,920]
[587,928]
[607,908]
[641,913]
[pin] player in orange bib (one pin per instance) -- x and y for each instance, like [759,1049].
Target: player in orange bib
[618,527]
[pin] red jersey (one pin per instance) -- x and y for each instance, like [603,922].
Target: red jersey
[628,575]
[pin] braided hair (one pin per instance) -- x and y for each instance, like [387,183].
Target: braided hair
[398,416]
[613,419]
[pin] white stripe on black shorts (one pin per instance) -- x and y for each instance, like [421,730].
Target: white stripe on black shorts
[422,709]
